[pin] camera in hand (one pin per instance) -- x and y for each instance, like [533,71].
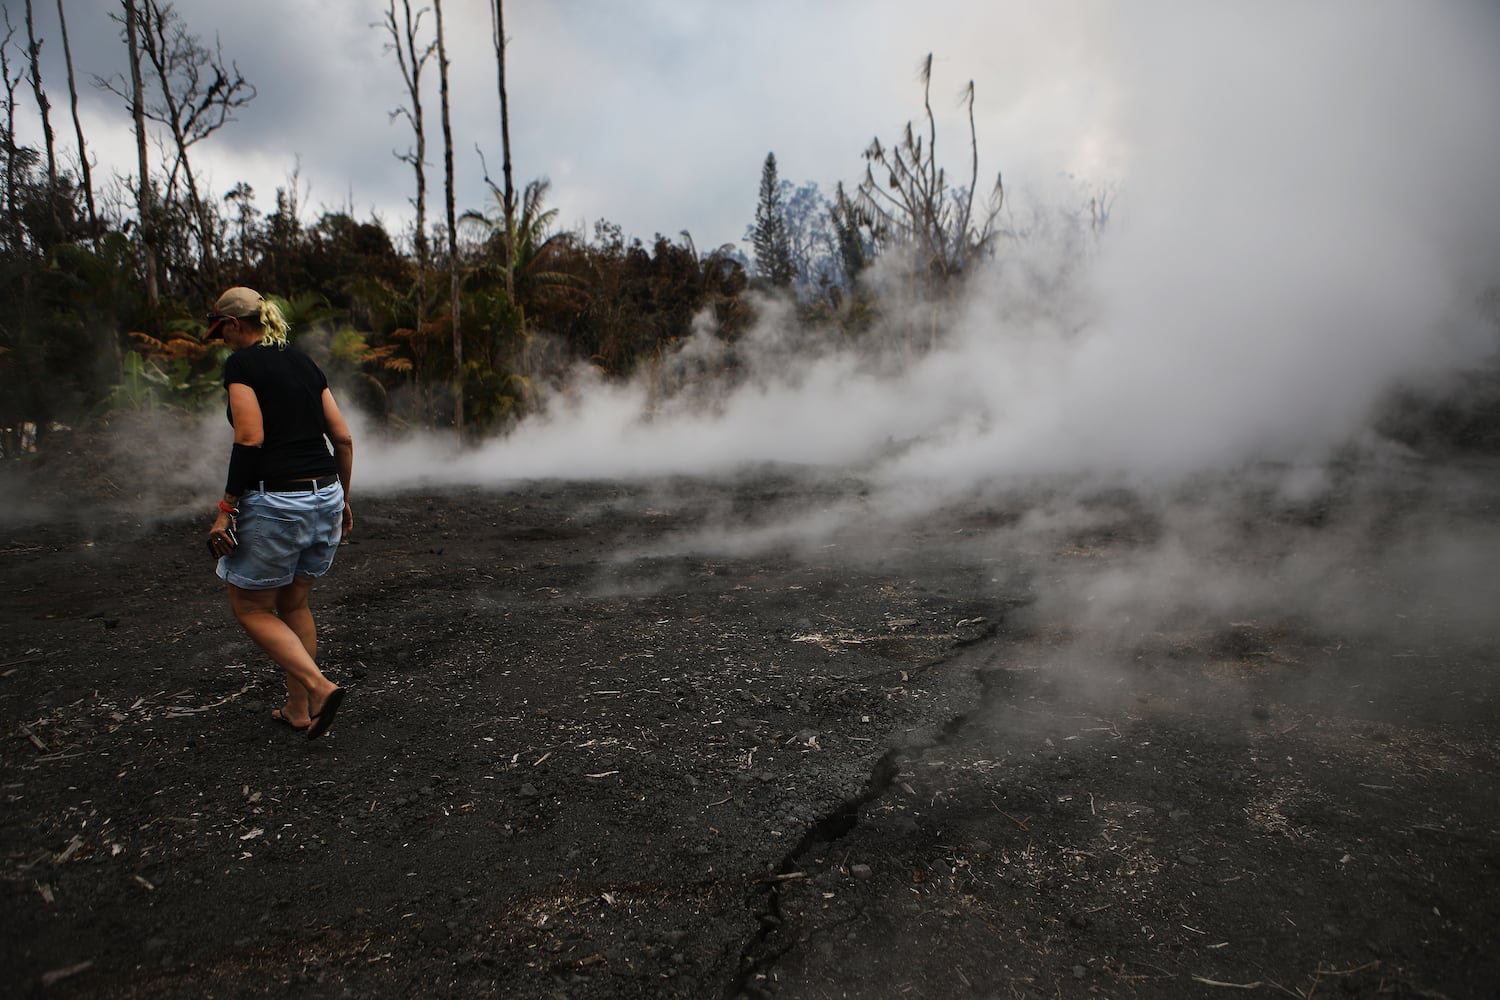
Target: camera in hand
[234,542]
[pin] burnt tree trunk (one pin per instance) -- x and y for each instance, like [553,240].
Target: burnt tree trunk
[143,196]
[412,59]
[498,10]
[454,300]
[84,172]
[44,106]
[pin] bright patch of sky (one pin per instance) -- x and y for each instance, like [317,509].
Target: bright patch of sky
[656,115]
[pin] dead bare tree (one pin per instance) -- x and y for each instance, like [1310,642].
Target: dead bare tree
[34,56]
[194,94]
[143,199]
[84,171]
[916,206]
[14,233]
[454,299]
[198,95]
[508,197]
[412,57]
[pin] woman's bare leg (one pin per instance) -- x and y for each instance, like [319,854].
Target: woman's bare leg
[256,611]
[292,608]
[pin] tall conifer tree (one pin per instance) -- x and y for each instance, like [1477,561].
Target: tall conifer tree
[773,247]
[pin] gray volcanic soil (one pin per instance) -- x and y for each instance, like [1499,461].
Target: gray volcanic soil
[582,757]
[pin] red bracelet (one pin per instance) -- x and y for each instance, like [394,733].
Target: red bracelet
[231,511]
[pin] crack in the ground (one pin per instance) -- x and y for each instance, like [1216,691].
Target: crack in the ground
[755,958]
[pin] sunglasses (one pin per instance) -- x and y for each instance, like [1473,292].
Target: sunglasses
[215,322]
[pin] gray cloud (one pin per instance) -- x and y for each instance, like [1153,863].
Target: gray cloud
[655,115]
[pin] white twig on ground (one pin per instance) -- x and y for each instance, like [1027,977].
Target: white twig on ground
[56,975]
[35,740]
[177,712]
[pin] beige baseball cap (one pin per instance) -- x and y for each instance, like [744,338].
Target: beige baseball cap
[237,303]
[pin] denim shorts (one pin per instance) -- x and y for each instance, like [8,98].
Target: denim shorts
[284,535]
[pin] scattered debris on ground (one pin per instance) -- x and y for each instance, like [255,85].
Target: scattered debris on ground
[588,754]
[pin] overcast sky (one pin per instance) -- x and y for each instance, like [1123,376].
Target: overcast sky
[655,114]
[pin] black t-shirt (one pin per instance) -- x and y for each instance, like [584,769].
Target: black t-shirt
[289,387]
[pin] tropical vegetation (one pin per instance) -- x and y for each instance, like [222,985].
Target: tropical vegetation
[465,324]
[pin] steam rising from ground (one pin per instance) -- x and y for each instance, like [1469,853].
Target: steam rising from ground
[1306,224]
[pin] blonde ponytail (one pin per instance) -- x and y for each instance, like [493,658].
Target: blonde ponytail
[275,330]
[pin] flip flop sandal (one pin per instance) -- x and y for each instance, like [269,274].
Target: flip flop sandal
[322,719]
[276,714]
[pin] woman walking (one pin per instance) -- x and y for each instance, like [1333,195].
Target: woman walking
[285,505]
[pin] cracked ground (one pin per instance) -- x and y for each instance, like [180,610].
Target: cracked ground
[599,745]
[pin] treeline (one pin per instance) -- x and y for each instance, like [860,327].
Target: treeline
[462,323]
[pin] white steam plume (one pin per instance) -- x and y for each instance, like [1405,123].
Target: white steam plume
[1306,222]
